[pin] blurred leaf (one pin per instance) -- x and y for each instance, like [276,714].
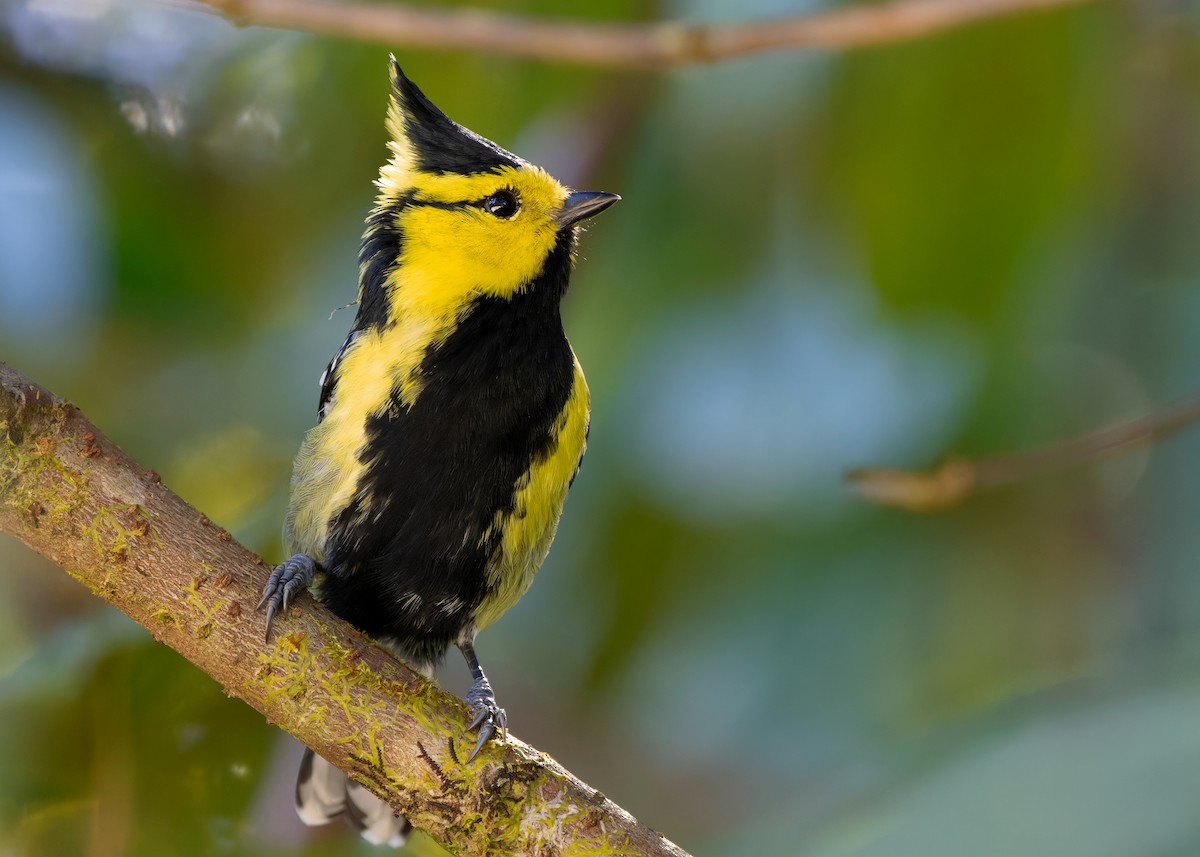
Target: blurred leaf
[951,162]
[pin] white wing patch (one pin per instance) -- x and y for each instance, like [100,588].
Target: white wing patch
[328,380]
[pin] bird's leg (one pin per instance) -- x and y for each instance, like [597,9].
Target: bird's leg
[289,577]
[488,715]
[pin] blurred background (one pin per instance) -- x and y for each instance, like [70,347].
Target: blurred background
[971,244]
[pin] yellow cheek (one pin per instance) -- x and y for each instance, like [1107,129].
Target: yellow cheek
[459,252]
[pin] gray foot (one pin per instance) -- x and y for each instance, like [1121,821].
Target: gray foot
[489,717]
[289,578]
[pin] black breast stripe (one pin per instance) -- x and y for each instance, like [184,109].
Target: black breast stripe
[406,560]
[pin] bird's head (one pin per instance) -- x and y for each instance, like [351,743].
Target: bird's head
[460,216]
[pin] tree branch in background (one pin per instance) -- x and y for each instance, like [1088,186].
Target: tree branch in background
[959,478]
[663,43]
[74,497]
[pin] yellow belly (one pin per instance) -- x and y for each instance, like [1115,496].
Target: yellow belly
[328,468]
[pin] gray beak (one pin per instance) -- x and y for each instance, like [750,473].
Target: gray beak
[582,205]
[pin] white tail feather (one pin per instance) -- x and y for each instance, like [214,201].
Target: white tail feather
[324,793]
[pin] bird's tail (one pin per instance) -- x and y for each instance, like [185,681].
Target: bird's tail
[324,793]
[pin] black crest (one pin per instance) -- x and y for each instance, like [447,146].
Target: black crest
[440,144]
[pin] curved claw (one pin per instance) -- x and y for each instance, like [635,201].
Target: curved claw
[269,589]
[288,578]
[484,734]
[270,621]
[487,720]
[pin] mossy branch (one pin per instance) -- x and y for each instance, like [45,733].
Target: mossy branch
[71,495]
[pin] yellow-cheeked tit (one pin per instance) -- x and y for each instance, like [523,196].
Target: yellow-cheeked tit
[451,422]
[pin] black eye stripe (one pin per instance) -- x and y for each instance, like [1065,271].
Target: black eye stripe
[502,204]
[412,199]
[444,206]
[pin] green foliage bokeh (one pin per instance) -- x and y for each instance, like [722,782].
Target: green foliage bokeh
[971,244]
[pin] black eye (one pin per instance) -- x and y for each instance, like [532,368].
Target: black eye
[503,203]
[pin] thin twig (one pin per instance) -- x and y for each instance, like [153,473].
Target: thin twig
[70,494]
[959,478]
[663,43]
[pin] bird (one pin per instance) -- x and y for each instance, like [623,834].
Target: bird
[450,424]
